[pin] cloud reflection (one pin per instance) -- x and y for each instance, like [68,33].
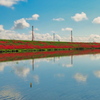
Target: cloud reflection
[67,65]
[97,73]
[22,71]
[59,75]
[9,93]
[80,78]
[2,67]
[36,79]
[95,57]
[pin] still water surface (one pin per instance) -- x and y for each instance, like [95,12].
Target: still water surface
[55,78]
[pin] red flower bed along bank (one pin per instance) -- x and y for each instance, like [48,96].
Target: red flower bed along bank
[21,44]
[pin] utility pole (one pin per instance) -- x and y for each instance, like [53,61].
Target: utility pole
[32,33]
[53,36]
[71,36]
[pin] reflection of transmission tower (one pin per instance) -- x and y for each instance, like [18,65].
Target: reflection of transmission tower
[71,60]
[54,59]
[32,64]
[32,69]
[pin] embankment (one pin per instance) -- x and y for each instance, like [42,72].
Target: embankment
[24,46]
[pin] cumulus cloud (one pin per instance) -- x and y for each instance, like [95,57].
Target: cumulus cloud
[1,28]
[11,34]
[96,20]
[58,19]
[79,77]
[53,32]
[66,29]
[36,29]
[8,34]
[45,37]
[20,24]
[34,17]
[9,3]
[79,17]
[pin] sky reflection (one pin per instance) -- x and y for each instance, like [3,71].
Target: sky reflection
[80,78]
[58,78]
[9,93]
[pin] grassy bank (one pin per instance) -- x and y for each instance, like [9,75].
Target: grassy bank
[25,45]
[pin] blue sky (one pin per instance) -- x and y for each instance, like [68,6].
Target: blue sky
[60,16]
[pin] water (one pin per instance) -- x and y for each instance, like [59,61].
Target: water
[54,78]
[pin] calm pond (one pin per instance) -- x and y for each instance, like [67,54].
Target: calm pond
[52,78]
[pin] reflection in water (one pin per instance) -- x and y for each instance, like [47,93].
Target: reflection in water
[2,67]
[21,71]
[59,75]
[67,65]
[9,93]
[79,77]
[97,73]
[36,79]
[33,55]
[95,56]
[70,64]
[71,60]
[32,64]
[30,85]
[50,80]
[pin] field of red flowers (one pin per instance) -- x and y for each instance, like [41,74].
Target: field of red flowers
[21,44]
[44,54]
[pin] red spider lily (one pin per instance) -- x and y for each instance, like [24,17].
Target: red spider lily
[18,44]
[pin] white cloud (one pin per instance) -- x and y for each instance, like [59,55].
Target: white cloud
[34,17]
[36,29]
[9,3]
[11,34]
[79,17]
[96,20]
[79,77]
[67,29]
[58,19]
[53,32]
[20,24]
[1,28]
[43,37]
